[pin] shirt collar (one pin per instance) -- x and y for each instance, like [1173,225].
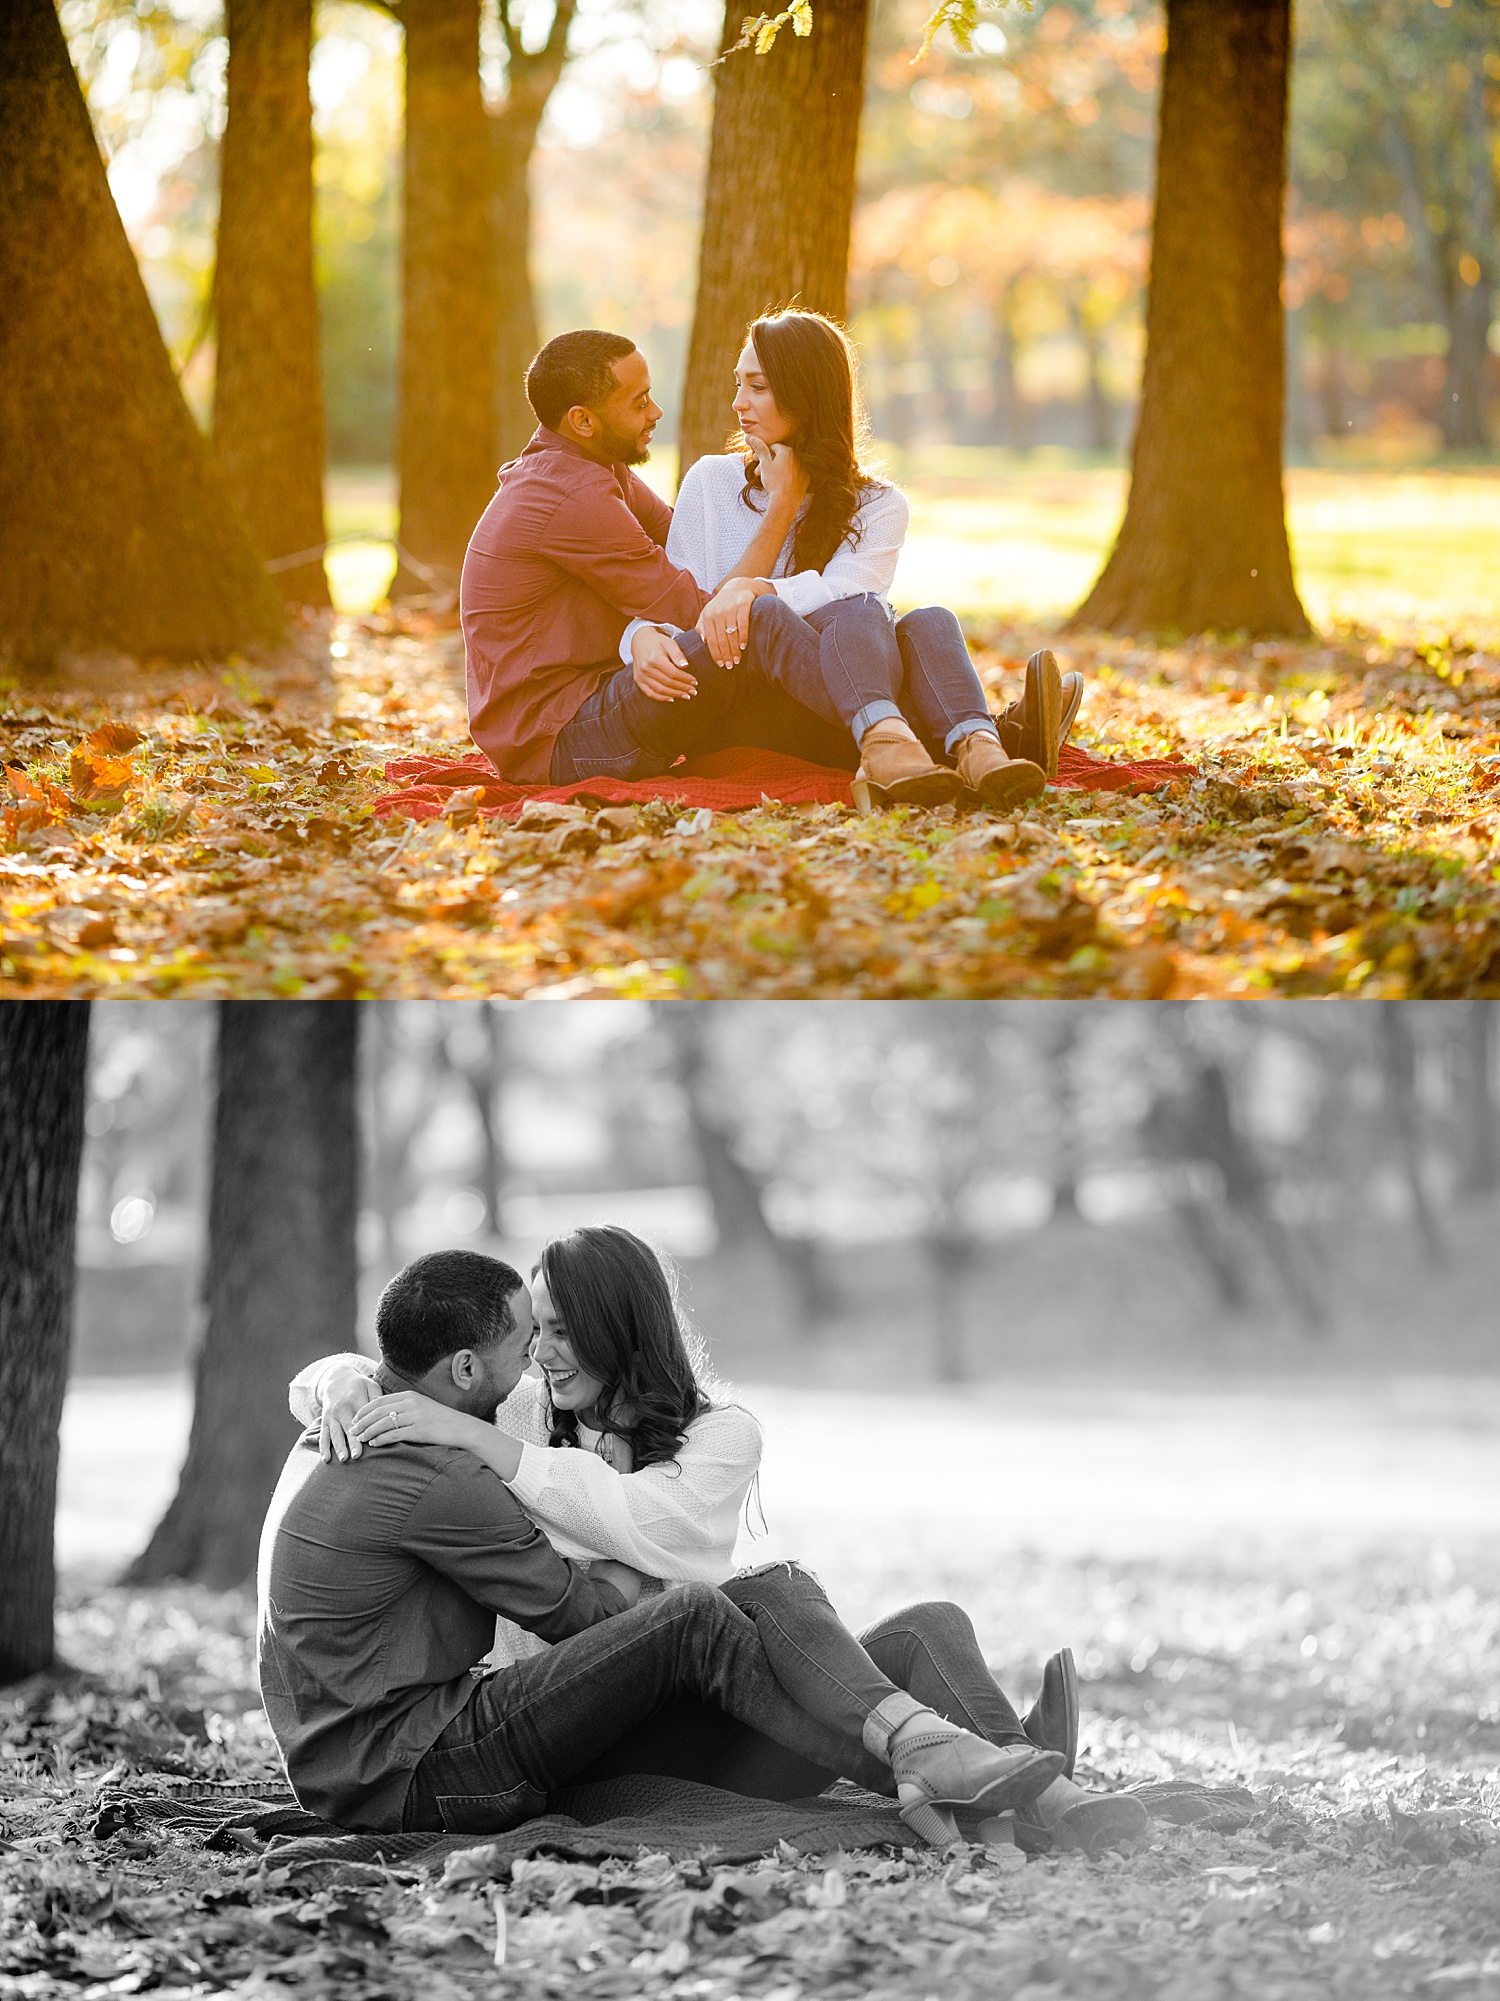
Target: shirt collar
[545,440]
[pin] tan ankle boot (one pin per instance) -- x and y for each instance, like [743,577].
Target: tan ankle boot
[894,770]
[1000,781]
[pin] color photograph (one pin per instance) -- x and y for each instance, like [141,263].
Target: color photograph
[614,499]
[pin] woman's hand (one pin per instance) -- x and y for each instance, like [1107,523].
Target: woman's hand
[783,476]
[408,1418]
[344,1392]
[615,1451]
[725,620]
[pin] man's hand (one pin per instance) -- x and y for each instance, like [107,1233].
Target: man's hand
[626,1581]
[725,620]
[345,1392]
[660,666]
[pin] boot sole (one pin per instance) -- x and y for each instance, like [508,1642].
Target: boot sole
[938,787]
[1043,704]
[1012,784]
[1059,1685]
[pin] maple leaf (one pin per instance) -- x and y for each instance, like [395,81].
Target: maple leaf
[99,781]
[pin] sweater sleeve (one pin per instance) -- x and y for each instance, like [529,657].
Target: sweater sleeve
[869,566]
[678,1521]
[302,1393]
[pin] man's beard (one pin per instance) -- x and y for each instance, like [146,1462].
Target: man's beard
[622,450]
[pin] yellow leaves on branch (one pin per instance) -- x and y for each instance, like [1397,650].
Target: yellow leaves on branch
[959,17]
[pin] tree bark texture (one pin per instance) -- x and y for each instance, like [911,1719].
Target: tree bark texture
[446,448]
[280,1286]
[1203,545]
[43,1063]
[779,199]
[115,528]
[268,384]
[531,76]
[1480,1148]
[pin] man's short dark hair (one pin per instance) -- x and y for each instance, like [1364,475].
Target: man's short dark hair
[443,1302]
[577,367]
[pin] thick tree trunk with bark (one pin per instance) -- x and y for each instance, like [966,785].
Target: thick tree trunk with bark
[281,1279]
[43,1062]
[518,334]
[779,198]
[268,384]
[1203,546]
[531,76]
[115,529]
[446,448]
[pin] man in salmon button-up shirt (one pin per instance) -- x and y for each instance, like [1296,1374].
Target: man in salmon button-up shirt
[568,552]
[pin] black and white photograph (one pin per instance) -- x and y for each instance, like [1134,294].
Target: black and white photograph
[749,1501]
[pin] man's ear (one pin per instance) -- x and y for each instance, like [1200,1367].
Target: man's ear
[463,1368]
[580,420]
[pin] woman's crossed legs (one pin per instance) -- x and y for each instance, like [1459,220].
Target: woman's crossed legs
[928,1650]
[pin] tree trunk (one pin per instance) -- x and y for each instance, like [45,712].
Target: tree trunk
[446,451]
[43,1063]
[115,529]
[733,1191]
[1479,1162]
[779,198]
[531,77]
[281,1276]
[1467,311]
[518,334]
[268,384]
[1203,544]
[1398,1070]
[1009,415]
[950,1259]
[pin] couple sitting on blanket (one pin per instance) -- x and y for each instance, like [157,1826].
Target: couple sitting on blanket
[592,1510]
[608,635]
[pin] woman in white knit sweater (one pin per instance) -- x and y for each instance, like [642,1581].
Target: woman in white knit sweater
[903,691]
[622,1450]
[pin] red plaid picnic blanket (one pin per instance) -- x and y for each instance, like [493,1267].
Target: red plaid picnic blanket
[728,781]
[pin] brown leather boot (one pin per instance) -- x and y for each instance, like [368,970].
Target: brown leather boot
[1001,782]
[1039,724]
[894,770]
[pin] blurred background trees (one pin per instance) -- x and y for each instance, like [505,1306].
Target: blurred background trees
[913,1191]
[1001,225]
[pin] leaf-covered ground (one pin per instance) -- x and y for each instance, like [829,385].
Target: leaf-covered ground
[1359,1704]
[170,832]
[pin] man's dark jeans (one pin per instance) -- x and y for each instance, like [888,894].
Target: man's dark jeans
[757,1688]
[538,1724]
[806,684]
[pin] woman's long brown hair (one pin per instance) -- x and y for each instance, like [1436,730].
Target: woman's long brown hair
[809,363]
[615,1299]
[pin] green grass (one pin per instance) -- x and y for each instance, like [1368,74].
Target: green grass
[993,535]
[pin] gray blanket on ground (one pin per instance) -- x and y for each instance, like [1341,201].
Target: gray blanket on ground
[617,1817]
